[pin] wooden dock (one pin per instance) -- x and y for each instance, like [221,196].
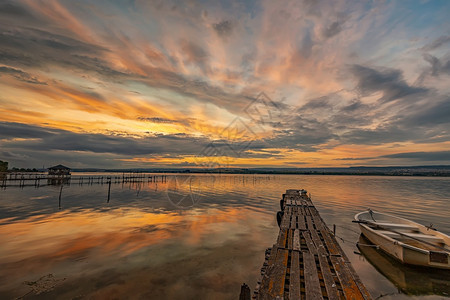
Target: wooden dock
[306,262]
[41,179]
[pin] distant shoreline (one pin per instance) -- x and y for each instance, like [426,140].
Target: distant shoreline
[427,171]
[285,173]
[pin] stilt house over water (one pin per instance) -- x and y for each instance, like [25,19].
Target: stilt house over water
[59,170]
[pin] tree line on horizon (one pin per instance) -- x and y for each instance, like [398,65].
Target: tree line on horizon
[3,166]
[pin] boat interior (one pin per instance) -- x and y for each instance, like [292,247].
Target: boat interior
[405,231]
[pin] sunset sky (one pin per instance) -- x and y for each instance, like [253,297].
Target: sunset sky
[156,84]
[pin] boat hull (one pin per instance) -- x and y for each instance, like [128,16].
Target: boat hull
[410,280]
[406,253]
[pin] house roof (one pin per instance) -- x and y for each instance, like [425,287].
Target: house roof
[59,167]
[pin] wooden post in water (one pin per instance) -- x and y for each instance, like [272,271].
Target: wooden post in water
[109,189]
[245,292]
[60,192]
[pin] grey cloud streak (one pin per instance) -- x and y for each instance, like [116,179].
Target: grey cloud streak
[224,28]
[20,75]
[388,81]
[48,139]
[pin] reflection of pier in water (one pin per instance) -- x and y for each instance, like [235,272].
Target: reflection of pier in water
[410,280]
[38,180]
[132,180]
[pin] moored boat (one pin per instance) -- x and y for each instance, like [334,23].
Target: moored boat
[411,280]
[407,241]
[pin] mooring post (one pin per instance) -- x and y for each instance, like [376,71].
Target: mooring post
[334,229]
[60,192]
[245,292]
[109,189]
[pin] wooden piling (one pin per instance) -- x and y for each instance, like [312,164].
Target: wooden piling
[109,189]
[59,199]
[306,262]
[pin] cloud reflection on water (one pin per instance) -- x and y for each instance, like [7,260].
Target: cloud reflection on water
[141,245]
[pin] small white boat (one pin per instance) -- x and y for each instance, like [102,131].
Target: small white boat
[409,242]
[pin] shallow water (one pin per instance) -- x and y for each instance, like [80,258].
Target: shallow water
[194,236]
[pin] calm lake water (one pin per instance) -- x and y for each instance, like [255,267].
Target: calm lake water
[196,236]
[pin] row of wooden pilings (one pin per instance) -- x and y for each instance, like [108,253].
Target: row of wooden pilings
[22,180]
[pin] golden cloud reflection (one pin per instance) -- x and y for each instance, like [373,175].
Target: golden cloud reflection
[124,230]
[48,244]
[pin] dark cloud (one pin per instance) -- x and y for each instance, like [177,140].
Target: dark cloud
[432,156]
[120,145]
[333,29]
[194,53]
[442,40]
[353,115]
[318,103]
[9,130]
[157,120]
[425,123]
[422,156]
[312,7]
[338,114]
[388,81]
[20,75]
[6,156]
[355,106]
[437,66]
[37,138]
[303,133]
[431,115]
[25,48]
[381,135]
[224,28]
[13,11]
[306,46]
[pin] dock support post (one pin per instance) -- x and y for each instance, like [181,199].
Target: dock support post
[245,292]
[109,190]
[59,200]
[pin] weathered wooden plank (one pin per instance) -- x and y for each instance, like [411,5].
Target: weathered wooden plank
[310,223]
[312,284]
[320,224]
[285,222]
[289,217]
[290,238]
[313,210]
[278,274]
[301,222]
[296,244]
[318,243]
[331,243]
[273,255]
[330,285]
[311,247]
[348,284]
[294,285]
[294,218]
[281,241]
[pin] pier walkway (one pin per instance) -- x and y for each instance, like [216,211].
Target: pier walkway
[306,262]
